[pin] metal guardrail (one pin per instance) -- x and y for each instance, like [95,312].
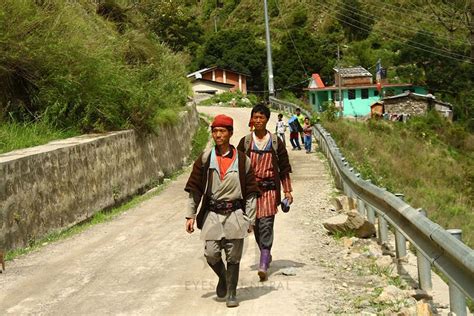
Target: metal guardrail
[434,245]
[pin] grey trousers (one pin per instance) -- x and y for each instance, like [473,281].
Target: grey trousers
[264,232]
[232,247]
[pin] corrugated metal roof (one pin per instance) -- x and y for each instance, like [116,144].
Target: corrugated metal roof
[353,72]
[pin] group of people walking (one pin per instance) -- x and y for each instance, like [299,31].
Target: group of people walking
[239,189]
[300,126]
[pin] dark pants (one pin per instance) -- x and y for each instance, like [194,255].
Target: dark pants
[264,232]
[295,143]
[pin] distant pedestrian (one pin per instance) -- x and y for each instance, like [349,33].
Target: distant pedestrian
[300,118]
[223,178]
[281,128]
[308,135]
[294,126]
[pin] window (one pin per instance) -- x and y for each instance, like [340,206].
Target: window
[365,93]
[352,94]
[313,98]
[376,93]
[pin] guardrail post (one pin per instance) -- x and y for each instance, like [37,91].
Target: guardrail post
[424,266]
[457,300]
[400,240]
[370,214]
[361,207]
[383,229]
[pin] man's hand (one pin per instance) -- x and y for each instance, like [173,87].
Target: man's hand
[289,197]
[190,225]
[250,230]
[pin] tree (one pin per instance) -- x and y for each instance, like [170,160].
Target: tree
[300,51]
[356,26]
[236,50]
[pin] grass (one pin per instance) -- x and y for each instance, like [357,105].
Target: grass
[232,99]
[432,166]
[199,142]
[111,75]
[22,135]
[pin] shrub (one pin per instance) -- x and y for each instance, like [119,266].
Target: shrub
[63,63]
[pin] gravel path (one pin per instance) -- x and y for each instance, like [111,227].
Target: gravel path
[143,262]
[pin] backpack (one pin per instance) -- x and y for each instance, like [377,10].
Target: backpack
[248,140]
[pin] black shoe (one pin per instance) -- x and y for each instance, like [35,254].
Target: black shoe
[219,269]
[232,280]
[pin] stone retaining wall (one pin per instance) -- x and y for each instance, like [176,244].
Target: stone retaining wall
[60,184]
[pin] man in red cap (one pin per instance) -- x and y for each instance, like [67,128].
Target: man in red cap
[223,178]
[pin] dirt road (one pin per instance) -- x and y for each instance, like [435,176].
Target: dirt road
[143,262]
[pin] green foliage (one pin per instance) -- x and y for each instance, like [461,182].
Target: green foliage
[236,50]
[16,135]
[422,158]
[63,64]
[232,99]
[330,113]
[174,23]
[356,26]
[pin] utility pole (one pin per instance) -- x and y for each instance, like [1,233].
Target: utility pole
[271,88]
[341,103]
[472,30]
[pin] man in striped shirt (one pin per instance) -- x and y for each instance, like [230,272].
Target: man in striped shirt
[269,160]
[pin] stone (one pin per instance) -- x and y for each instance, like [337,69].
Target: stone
[347,242]
[350,221]
[391,294]
[384,262]
[419,295]
[366,313]
[423,309]
[336,204]
[345,202]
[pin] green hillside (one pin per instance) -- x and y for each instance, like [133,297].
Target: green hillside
[423,42]
[428,159]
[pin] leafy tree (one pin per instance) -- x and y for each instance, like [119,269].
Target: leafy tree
[356,26]
[444,74]
[173,23]
[316,53]
[236,50]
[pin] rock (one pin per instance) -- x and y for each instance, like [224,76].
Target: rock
[391,294]
[336,204]
[347,242]
[423,309]
[366,313]
[346,202]
[384,262]
[408,311]
[419,295]
[351,221]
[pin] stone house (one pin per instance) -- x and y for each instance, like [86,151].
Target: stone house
[416,104]
[358,91]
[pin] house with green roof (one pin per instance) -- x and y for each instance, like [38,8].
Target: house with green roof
[358,91]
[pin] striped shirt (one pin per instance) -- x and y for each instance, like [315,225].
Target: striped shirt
[263,168]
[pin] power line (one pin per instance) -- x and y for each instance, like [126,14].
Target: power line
[421,44]
[292,41]
[367,15]
[429,49]
[397,9]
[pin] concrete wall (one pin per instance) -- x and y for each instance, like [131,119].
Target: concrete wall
[57,185]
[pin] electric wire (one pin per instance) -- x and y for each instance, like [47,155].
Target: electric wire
[387,34]
[292,41]
[367,15]
[429,49]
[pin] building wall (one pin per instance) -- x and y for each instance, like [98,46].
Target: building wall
[199,87]
[55,186]
[406,105]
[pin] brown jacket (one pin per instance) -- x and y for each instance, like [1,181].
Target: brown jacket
[200,174]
